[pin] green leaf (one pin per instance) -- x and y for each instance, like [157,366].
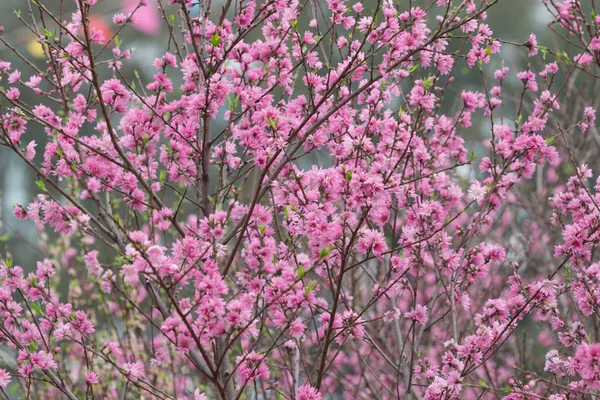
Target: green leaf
[273,122]
[427,82]
[37,308]
[549,141]
[171,19]
[543,50]
[215,39]
[518,121]
[310,287]
[301,271]
[472,156]
[233,102]
[325,251]
[33,345]
[483,384]
[40,184]
[48,34]
[348,175]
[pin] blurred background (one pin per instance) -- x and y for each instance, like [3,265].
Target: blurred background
[512,20]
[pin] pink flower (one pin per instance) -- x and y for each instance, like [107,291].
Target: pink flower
[477,192]
[14,76]
[4,378]
[12,93]
[589,118]
[531,44]
[418,314]
[199,396]
[30,150]
[252,367]
[91,378]
[583,59]
[135,370]
[119,18]
[307,392]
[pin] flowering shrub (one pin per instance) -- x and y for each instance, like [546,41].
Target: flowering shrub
[335,237]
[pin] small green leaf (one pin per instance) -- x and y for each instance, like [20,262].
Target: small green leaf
[483,384]
[325,252]
[40,184]
[549,141]
[301,271]
[171,19]
[233,102]
[33,345]
[37,308]
[48,34]
[273,122]
[310,287]
[427,82]
[215,39]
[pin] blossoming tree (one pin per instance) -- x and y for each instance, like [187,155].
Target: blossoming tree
[336,237]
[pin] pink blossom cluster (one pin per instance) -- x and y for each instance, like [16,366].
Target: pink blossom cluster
[290,207]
